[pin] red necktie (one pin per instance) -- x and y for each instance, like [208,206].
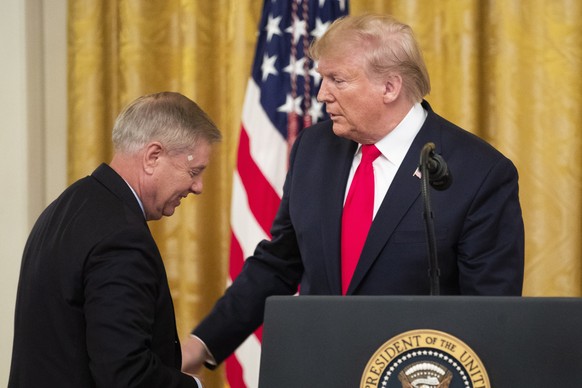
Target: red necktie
[358,213]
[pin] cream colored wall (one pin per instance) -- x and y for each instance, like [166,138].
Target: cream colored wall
[32,135]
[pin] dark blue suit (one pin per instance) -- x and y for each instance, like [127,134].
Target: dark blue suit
[94,308]
[478,224]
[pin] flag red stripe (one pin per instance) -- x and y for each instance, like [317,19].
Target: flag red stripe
[236,257]
[263,200]
[236,264]
[259,333]
[234,372]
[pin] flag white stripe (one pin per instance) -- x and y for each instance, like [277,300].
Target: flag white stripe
[268,147]
[244,226]
[249,356]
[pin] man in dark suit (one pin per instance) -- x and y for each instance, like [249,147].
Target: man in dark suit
[94,307]
[373,83]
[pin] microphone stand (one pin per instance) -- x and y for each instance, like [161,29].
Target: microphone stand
[433,266]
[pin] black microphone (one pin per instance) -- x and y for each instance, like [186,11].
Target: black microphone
[434,171]
[439,175]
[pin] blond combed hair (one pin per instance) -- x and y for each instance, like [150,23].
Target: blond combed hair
[389,47]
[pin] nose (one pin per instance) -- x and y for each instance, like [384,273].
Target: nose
[323,94]
[196,187]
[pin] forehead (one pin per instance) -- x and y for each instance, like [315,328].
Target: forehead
[352,62]
[200,152]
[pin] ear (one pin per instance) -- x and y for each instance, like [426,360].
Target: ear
[151,156]
[392,87]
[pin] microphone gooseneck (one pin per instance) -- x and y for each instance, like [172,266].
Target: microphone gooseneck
[434,171]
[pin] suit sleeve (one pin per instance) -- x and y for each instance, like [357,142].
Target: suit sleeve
[491,248]
[122,284]
[275,268]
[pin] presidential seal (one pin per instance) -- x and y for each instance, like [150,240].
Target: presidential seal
[424,359]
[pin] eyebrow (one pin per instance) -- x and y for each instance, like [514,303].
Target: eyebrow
[200,168]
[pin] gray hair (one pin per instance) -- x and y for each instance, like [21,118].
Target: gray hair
[168,117]
[390,48]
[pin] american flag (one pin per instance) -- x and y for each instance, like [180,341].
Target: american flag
[280,100]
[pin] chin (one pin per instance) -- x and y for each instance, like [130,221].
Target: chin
[339,130]
[169,212]
[344,132]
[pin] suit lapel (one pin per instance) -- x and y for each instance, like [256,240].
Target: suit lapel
[336,176]
[403,192]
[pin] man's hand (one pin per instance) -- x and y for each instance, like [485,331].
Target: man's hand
[194,354]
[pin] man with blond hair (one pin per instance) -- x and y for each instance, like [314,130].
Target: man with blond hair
[374,81]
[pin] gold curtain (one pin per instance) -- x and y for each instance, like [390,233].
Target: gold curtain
[507,70]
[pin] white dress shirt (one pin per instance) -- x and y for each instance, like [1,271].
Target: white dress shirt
[393,147]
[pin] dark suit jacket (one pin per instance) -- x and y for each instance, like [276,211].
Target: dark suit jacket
[478,224]
[93,306]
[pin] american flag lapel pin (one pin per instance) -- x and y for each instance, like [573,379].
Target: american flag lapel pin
[417,173]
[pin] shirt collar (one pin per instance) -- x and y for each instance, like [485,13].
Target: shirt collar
[136,197]
[395,145]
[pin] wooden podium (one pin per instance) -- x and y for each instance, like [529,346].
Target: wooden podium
[331,341]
